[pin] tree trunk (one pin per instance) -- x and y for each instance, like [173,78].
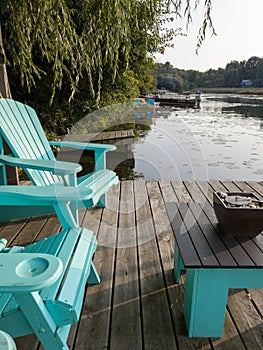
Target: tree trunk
[12,174]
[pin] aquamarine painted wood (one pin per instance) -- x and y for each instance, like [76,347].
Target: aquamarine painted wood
[206,293]
[214,263]
[57,188]
[42,286]
[6,342]
[28,272]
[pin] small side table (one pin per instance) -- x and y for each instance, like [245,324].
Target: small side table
[213,263]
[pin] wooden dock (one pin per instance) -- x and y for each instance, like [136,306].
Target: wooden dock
[138,305]
[100,136]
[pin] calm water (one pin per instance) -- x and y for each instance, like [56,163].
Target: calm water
[223,140]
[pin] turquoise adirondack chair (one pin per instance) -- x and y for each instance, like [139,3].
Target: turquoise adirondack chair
[56,185]
[42,285]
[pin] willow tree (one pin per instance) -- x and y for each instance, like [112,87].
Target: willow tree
[88,38]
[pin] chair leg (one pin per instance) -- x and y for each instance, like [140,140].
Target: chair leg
[102,203]
[67,214]
[93,276]
[41,321]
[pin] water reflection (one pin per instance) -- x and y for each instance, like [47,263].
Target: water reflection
[222,140]
[237,99]
[226,135]
[247,111]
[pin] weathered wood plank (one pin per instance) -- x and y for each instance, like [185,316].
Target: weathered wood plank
[217,186]
[27,342]
[256,296]
[250,187]
[30,231]
[126,334]
[166,239]
[206,189]
[194,191]
[92,219]
[230,339]
[155,259]
[101,136]
[168,192]
[94,325]
[258,187]
[247,319]
[162,223]
[181,192]
[163,229]
[12,230]
[52,225]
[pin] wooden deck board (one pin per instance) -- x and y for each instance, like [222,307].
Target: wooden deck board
[153,286]
[138,305]
[126,301]
[96,316]
[100,136]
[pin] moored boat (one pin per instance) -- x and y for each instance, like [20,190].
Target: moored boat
[185,102]
[178,102]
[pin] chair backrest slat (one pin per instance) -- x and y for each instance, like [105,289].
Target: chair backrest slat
[21,129]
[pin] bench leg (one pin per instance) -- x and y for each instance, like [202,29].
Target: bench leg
[205,300]
[178,264]
[41,321]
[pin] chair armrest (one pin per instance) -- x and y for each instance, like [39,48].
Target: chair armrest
[99,149]
[54,166]
[28,195]
[84,146]
[28,272]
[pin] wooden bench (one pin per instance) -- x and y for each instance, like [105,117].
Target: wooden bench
[213,263]
[42,285]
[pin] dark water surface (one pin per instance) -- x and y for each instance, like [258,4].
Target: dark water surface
[221,140]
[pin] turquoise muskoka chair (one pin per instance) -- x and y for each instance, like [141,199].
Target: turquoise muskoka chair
[42,285]
[56,186]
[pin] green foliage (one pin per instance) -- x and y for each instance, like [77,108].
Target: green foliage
[178,80]
[90,38]
[67,58]
[72,39]
[37,33]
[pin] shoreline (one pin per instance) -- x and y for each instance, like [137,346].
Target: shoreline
[239,91]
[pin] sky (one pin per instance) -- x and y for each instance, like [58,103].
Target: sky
[239,28]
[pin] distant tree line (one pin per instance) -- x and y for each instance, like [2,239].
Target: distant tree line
[234,74]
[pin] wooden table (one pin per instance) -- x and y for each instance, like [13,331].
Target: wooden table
[213,263]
